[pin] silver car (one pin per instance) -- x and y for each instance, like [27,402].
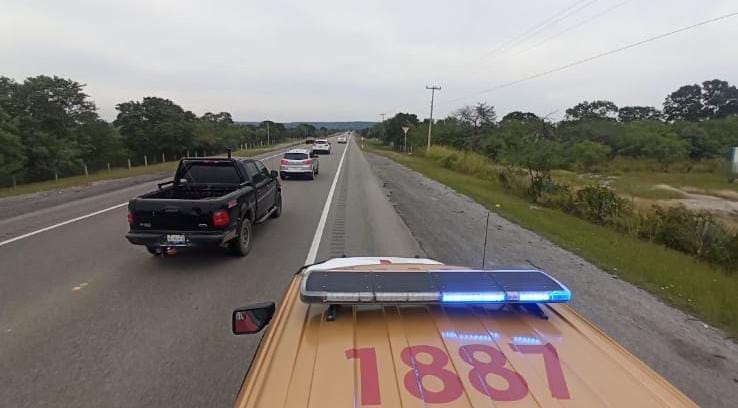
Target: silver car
[299,162]
[322,146]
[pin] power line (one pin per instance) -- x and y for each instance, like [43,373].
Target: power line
[575,26]
[597,56]
[556,21]
[505,43]
[535,30]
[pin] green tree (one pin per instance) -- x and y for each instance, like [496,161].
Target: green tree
[634,113]
[684,104]
[222,119]
[448,131]
[480,119]
[393,127]
[720,99]
[592,110]
[604,131]
[538,156]
[665,150]
[100,144]
[587,155]
[306,129]
[511,135]
[12,158]
[699,143]
[50,112]
[521,116]
[477,117]
[157,125]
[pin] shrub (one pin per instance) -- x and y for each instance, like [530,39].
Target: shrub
[695,233]
[599,204]
[587,154]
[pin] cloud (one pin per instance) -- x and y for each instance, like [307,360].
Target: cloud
[344,60]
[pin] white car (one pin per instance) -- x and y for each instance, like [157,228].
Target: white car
[342,139]
[322,146]
[298,162]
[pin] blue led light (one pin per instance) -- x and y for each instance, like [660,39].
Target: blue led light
[472,297]
[526,340]
[560,296]
[448,334]
[534,296]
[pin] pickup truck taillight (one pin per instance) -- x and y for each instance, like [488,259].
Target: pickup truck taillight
[130,218]
[221,218]
[308,161]
[284,161]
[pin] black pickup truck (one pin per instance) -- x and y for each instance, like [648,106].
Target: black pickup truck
[210,203]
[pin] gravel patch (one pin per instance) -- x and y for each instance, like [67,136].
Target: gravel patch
[696,358]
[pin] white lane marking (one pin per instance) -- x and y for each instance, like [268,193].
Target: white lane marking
[115,207]
[313,253]
[274,155]
[51,227]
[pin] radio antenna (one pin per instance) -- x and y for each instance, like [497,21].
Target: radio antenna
[484,250]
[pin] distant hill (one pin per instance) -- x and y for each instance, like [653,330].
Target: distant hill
[355,125]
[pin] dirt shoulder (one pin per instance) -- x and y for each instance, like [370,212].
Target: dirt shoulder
[695,357]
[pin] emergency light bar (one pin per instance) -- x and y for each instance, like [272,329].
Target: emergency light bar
[497,286]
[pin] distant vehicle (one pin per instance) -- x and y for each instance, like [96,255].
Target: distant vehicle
[342,138]
[299,162]
[210,203]
[309,140]
[397,332]
[322,146]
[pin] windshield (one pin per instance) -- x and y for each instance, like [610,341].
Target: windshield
[296,156]
[209,173]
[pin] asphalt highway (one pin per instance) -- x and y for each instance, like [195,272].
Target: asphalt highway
[88,320]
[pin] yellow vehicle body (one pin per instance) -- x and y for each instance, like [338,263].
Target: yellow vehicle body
[437,355]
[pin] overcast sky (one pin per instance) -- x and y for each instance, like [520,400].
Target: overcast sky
[352,60]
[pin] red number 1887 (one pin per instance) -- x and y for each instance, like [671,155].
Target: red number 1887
[516,388]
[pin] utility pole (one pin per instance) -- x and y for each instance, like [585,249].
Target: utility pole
[433,90]
[405,129]
[267,132]
[384,130]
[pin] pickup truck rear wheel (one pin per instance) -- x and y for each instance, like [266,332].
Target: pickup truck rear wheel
[277,206]
[156,251]
[241,245]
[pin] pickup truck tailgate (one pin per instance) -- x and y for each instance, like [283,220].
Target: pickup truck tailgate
[171,215]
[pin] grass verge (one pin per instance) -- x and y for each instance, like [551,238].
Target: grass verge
[674,277]
[116,173]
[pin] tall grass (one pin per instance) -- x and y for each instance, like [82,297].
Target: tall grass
[698,234]
[462,161]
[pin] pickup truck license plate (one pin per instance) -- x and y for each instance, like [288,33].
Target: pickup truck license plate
[175,238]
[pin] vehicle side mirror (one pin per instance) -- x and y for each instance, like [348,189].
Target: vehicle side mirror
[313,154]
[253,318]
[274,173]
